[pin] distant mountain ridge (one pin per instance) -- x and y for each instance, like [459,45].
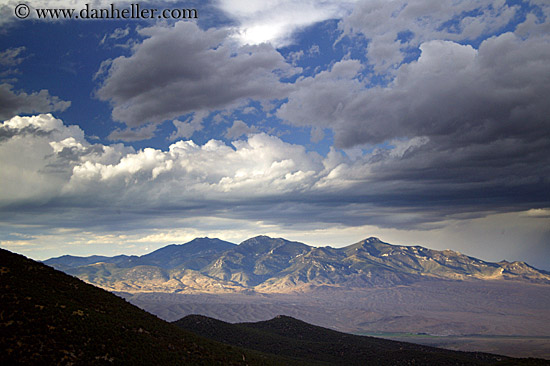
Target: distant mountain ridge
[265,264]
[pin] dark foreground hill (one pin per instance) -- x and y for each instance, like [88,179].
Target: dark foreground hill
[292,338]
[50,318]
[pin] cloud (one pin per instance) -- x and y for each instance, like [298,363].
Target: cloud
[28,172]
[52,172]
[481,115]
[99,174]
[276,21]
[118,33]
[182,69]
[458,135]
[238,129]
[11,56]
[187,128]
[133,134]
[393,28]
[13,103]
[452,91]
[318,101]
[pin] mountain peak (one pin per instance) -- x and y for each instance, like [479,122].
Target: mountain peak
[368,243]
[205,239]
[263,237]
[264,241]
[192,255]
[372,239]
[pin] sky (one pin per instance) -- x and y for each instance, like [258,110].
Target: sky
[326,122]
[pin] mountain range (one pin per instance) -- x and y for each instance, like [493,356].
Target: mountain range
[50,318]
[275,265]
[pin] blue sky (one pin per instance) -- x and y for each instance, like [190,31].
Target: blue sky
[326,122]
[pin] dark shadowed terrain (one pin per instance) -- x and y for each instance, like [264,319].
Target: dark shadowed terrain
[49,318]
[286,336]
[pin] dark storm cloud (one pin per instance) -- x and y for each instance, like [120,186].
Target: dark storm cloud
[183,69]
[481,119]
[13,103]
[452,91]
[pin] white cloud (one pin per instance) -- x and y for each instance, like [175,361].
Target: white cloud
[26,156]
[187,171]
[276,21]
[118,33]
[59,156]
[38,154]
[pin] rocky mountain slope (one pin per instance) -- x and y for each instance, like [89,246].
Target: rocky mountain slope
[269,265]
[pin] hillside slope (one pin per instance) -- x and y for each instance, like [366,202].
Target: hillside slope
[289,337]
[50,318]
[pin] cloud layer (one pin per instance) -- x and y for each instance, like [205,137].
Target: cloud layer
[403,186]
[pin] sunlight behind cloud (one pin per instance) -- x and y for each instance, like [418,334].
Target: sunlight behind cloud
[275,21]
